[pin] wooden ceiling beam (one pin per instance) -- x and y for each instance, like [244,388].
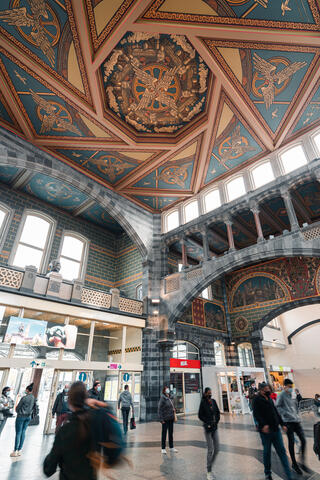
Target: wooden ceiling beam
[244,230]
[269,218]
[157,193]
[218,236]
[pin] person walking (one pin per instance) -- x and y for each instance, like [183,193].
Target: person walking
[73,442]
[252,392]
[268,420]
[288,409]
[95,391]
[60,407]
[24,410]
[209,414]
[6,405]
[167,414]
[125,402]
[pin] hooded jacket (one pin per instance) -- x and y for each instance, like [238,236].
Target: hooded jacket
[125,399]
[209,412]
[165,408]
[288,407]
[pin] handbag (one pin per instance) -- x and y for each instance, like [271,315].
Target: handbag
[132,423]
[7,413]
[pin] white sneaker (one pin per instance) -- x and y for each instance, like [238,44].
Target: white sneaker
[210,476]
[173,450]
[164,451]
[14,453]
[18,453]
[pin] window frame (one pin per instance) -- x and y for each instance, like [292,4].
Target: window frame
[287,149]
[49,240]
[176,344]
[138,287]
[165,222]
[314,144]
[223,353]
[194,199]
[257,165]
[246,346]
[84,256]
[203,198]
[9,212]
[240,175]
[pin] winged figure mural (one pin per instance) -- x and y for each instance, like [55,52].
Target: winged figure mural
[51,118]
[19,17]
[273,78]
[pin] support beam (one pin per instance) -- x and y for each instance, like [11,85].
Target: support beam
[255,212]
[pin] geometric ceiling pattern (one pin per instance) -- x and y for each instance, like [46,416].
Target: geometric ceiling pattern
[156,99]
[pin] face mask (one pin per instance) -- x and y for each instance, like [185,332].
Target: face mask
[268,393]
[167,391]
[209,395]
[99,388]
[66,390]
[290,390]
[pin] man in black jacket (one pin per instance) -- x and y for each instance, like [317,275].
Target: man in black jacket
[268,420]
[209,414]
[60,407]
[95,391]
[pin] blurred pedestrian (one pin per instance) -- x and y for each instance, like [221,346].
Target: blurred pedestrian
[125,402]
[167,416]
[24,410]
[209,414]
[95,391]
[6,406]
[61,408]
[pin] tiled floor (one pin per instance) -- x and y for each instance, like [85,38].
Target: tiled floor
[240,456]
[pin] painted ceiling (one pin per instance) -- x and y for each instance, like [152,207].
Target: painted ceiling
[157,99]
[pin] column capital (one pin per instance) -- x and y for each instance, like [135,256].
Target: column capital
[254,206]
[285,192]
[227,220]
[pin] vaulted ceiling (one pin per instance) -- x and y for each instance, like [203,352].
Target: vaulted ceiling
[157,99]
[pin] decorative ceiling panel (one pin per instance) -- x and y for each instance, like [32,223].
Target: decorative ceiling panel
[270,78]
[235,143]
[48,113]
[110,166]
[310,115]
[154,82]
[54,191]
[285,14]
[7,173]
[155,203]
[45,30]
[100,216]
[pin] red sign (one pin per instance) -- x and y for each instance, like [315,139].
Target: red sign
[181,363]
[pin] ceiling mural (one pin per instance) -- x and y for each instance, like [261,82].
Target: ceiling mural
[100,216]
[7,174]
[296,14]
[158,99]
[234,144]
[45,29]
[156,83]
[271,78]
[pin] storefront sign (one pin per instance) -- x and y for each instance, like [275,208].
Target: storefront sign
[181,363]
[279,368]
[114,366]
[27,331]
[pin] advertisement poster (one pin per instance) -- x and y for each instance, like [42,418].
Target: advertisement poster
[26,331]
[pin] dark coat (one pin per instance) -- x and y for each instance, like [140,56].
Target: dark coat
[60,406]
[165,408]
[266,413]
[95,395]
[209,412]
[70,453]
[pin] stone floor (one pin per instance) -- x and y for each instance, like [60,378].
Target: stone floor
[240,456]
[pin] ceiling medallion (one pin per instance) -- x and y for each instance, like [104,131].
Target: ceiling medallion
[157,83]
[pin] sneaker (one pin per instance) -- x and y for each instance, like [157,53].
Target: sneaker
[210,476]
[173,450]
[14,453]
[297,469]
[19,453]
[164,451]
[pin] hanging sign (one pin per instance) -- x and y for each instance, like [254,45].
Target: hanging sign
[184,363]
[126,377]
[82,376]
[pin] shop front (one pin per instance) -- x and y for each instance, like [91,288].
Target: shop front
[278,374]
[51,345]
[230,386]
[185,378]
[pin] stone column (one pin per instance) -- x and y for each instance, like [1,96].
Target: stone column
[164,260]
[255,210]
[228,223]
[206,250]
[184,253]
[257,348]
[294,224]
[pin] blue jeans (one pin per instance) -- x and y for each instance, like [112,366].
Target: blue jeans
[21,427]
[275,439]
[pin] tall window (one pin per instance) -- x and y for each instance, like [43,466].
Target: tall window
[72,256]
[235,188]
[317,141]
[219,354]
[139,292]
[245,355]
[293,158]
[172,220]
[191,211]
[212,200]
[262,174]
[33,241]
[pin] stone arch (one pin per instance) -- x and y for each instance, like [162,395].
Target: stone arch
[288,245]
[28,157]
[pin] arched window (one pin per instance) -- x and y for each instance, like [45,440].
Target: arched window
[262,174]
[33,241]
[172,220]
[235,188]
[211,200]
[219,354]
[73,256]
[293,158]
[245,355]
[185,350]
[191,211]
[139,293]
[316,139]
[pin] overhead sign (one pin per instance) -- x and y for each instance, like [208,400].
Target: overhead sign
[126,377]
[82,376]
[184,363]
[114,366]
[280,368]
[27,331]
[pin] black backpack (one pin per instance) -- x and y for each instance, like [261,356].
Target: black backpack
[316,439]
